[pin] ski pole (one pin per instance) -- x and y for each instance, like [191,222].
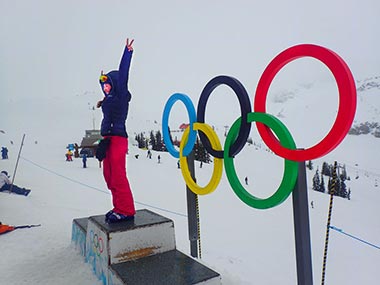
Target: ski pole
[18,158]
[26,226]
[7,229]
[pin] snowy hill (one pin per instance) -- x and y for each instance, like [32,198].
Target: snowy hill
[368,84]
[367,120]
[239,242]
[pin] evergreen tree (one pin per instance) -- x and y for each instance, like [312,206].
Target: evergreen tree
[137,138]
[141,140]
[200,152]
[176,142]
[316,182]
[152,141]
[338,187]
[343,190]
[197,149]
[343,175]
[322,185]
[326,169]
[159,142]
[329,186]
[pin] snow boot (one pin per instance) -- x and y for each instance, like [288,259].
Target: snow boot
[115,218]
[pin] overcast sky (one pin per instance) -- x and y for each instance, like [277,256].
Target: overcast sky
[56,49]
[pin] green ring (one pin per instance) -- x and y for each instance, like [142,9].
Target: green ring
[290,170]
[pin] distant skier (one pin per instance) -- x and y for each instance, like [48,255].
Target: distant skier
[69,156]
[4,152]
[84,160]
[113,148]
[6,185]
[76,151]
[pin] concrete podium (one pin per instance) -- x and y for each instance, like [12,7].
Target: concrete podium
[139,251]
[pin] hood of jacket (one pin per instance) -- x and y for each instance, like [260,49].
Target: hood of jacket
[113,80]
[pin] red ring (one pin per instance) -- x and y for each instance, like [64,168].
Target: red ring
[347,100]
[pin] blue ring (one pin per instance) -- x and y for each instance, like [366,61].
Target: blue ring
[165,124]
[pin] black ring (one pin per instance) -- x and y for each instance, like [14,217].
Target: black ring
[245,107]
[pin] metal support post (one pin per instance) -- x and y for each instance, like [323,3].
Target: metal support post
[302,228]
[192,217]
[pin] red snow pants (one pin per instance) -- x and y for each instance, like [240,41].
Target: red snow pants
[115,175]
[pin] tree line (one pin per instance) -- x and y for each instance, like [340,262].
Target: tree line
[340,188]
[155,142]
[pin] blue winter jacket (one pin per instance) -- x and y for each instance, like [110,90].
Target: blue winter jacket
[115,104]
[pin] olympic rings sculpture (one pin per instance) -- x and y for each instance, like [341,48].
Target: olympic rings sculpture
[269,127]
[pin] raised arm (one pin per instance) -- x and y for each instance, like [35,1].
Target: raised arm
[125,64]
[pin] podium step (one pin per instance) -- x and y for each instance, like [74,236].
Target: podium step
[148,234]
[78,235]
[138,251]
[169,268]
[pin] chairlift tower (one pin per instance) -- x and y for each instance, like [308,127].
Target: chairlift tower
[93,114]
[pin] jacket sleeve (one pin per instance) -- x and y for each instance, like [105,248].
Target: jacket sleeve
[4,179]
[125,64]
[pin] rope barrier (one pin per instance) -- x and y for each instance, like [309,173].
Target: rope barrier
[354,237]
[333,185]
[97,189]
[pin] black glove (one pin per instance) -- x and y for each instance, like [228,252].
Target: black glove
[102,149]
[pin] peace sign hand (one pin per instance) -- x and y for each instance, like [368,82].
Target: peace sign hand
[129,44]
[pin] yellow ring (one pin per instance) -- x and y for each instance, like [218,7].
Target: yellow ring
[218,162]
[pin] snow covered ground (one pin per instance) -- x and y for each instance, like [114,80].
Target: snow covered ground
[245,245]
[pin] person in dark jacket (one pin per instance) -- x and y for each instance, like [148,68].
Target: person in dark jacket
[4,152]
[84,160]
[6,185]
[114,146]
